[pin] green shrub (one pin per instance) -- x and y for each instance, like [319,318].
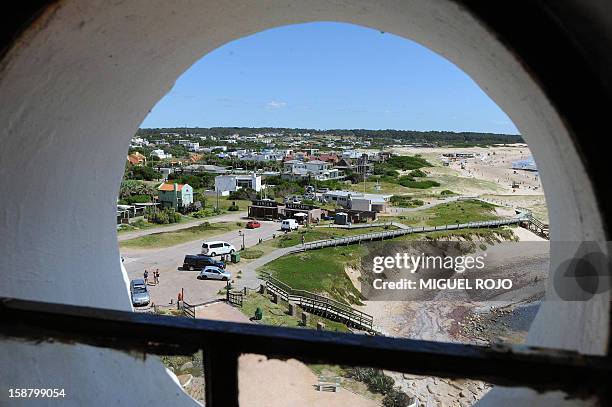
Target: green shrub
[251,254]
[447,192]
[417,173]
[164,216]
[396,398]
[376,380]
[405,201]
[233,207]
[407,162]
[410,182]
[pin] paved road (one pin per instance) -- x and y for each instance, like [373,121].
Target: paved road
[167,260]
[228,217]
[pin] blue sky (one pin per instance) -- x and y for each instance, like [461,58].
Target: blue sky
[327,76]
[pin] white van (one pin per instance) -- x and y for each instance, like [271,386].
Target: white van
[217,248]
[289,224]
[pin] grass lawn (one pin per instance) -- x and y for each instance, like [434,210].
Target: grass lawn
[225,203]
[447,213]
[167,239]
[321,233]
[276,314]
[320,271]
[250,253]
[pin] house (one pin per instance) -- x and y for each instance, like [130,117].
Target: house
[357,201]
[317,169]
[175,196]
[224,184]
[194,158]
[137,159]
[329,158]
[160,154]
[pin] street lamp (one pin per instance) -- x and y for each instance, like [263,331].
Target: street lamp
[241,233]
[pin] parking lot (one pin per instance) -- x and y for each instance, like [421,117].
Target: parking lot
[168,260]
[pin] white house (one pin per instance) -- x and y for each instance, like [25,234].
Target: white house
[356,200]
[192,146]
[351,154]
[319,170]
[160,154]
[224,184]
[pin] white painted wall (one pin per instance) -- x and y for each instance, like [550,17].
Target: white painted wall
[225,183]
[77,85]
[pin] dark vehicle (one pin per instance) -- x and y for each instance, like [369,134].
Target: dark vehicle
[198,262]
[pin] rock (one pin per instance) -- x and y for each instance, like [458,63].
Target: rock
[186,366]
[472,388]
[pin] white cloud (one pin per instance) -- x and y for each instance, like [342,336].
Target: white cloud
[275,104]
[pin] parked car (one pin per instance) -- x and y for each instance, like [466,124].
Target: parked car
[139,293]
[198,262]
[289,224]
[253,224]
[217,248]
[214,273]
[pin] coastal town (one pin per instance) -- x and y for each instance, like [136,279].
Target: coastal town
[231,225]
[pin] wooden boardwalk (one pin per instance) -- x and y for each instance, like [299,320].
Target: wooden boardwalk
[390,234]
[319,305]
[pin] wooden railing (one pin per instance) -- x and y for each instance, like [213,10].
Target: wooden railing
[323,306]
[189,310]
[235,298]
[401,232]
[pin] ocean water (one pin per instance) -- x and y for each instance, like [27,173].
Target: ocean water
[527,164]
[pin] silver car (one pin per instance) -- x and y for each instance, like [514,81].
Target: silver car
[139,292]
[214,273]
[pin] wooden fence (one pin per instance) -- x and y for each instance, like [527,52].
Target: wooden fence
[395,233]
[189,310]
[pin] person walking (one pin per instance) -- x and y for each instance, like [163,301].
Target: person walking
[157,276]
[146,277]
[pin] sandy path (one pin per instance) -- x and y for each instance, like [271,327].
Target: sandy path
[276,383]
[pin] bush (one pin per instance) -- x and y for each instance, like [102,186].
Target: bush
[164,216]
[376,380]
[246,194]
[405,201]
[447,192]
[396,398]
[130,200]
[204,213]
[251,254]
[233,207]
[417,173]
[410,182]
[407,162]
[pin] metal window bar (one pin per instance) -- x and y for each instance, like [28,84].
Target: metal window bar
[223,342]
